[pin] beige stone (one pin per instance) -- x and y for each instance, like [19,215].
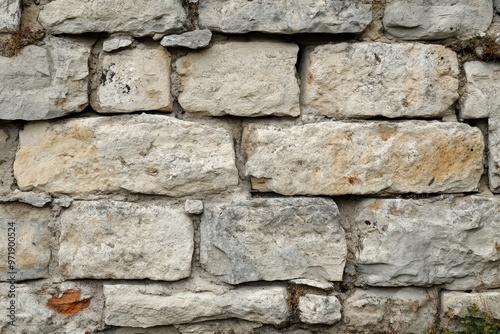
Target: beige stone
[481,96]
[318,309]
[457,302]
[8,146]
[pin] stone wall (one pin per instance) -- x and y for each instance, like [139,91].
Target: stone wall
[239,166]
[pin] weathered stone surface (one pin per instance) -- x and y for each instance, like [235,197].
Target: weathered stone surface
[193,39]
[137,18]
[286,17]
[317,309]
[125,240]
[273,239]
[494,152]
[406,310]
[457,302]
[356,80]
[116,42]
[436,19]
[496,5]
[8,146]
[194,207]
[44,82]
[324,285]
[10,15]
[250,79]
[127,306]
[30,197]
[449,241]
[132,80]
[220,327]
[154,330]
[26,229]
[142,154]
[364,158]
[482,90]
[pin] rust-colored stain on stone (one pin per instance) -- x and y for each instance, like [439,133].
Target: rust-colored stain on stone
[69,303]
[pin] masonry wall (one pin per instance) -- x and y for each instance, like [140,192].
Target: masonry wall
[239,166]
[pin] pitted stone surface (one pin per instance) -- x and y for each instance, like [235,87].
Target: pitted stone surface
[124,240]
[273,239]
[494,151]
[148,154]
[482,90]
[318,309]
[8,146]
[457,302]
[364,158]
[43,82]
[451,242]
[192,40]
[116,42]
[286,17]
[10,15]
[250,79]
[356,80]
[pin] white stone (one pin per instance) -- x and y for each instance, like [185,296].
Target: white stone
[194,207]
[148,154]
[481,97]
[356,80]
[457,302]
[8,147]
[448,241]
[364,158]
[10,15]
[132,80]
[196,39]
[273,239]
[116,42]
[286,17]
[43,82]
[135,17]
[318,309]
[437,19]
[250,79]
[324,285]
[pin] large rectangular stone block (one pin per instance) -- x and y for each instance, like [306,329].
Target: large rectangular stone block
[10,15]
[285,17]
[249,79]
[356,80]
[451,242]
[337,158]
[108,239]
[273,239]
[148,154]
[457,302]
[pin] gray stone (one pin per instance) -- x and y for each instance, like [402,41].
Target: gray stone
[44,82]
[65,201]
[194,207]
[494,153]
[318,309]
[25,239]
[406,310]
[36,199]
[457,302]
[481,96]
[496,5]
[437,19]
[8,145]
[126,305]
[250,79]
[116,42]
[148,154]
[439,241]
[132,80]
[364,158]
[192,40]
[230,326]
[357,80]
[273,239]
[134,17]
[324,285]
[125,240]
[285,17]
[10,15]
[153,330]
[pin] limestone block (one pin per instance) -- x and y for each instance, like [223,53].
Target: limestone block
[10,15]
[8,146]
[443,241]
[457,302]
[26,229]
[132,80]
[250,79]
[43,82]
[364,158]
[194,207]
[481,97]
[317,309]
[273,239]
[284,17]
[116,42]
[436,19]
[125,240]
[192,40]
[127,306]
[136,18]
[406,310]
[148,154]
[356,80]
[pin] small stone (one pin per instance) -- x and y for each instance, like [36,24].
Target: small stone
[116,42]
[64,202]
[317,309]
[457,302]
[10,15]
[327,286]
[194,207]
[196,39]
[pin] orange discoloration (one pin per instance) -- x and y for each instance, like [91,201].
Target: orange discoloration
[69,303]
[376,205]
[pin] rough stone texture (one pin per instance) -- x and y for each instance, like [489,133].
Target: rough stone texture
[364,158]
[494,152]
[286,17]
[33,198]
[126,306]
[137,18]
[116,42]
[193,39]
[148,154]
[194,207]
[406,310]
[132,80]
[31,235]
[47,81]
[356,80]
[273,239]
[436,19]
[449,241]
[154,330]
[482,90]
[8,146]
[496,5]
[109,239]
[457,302]
[231,326]
[10,15]
[317,309]
[314,283]
[250,79]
